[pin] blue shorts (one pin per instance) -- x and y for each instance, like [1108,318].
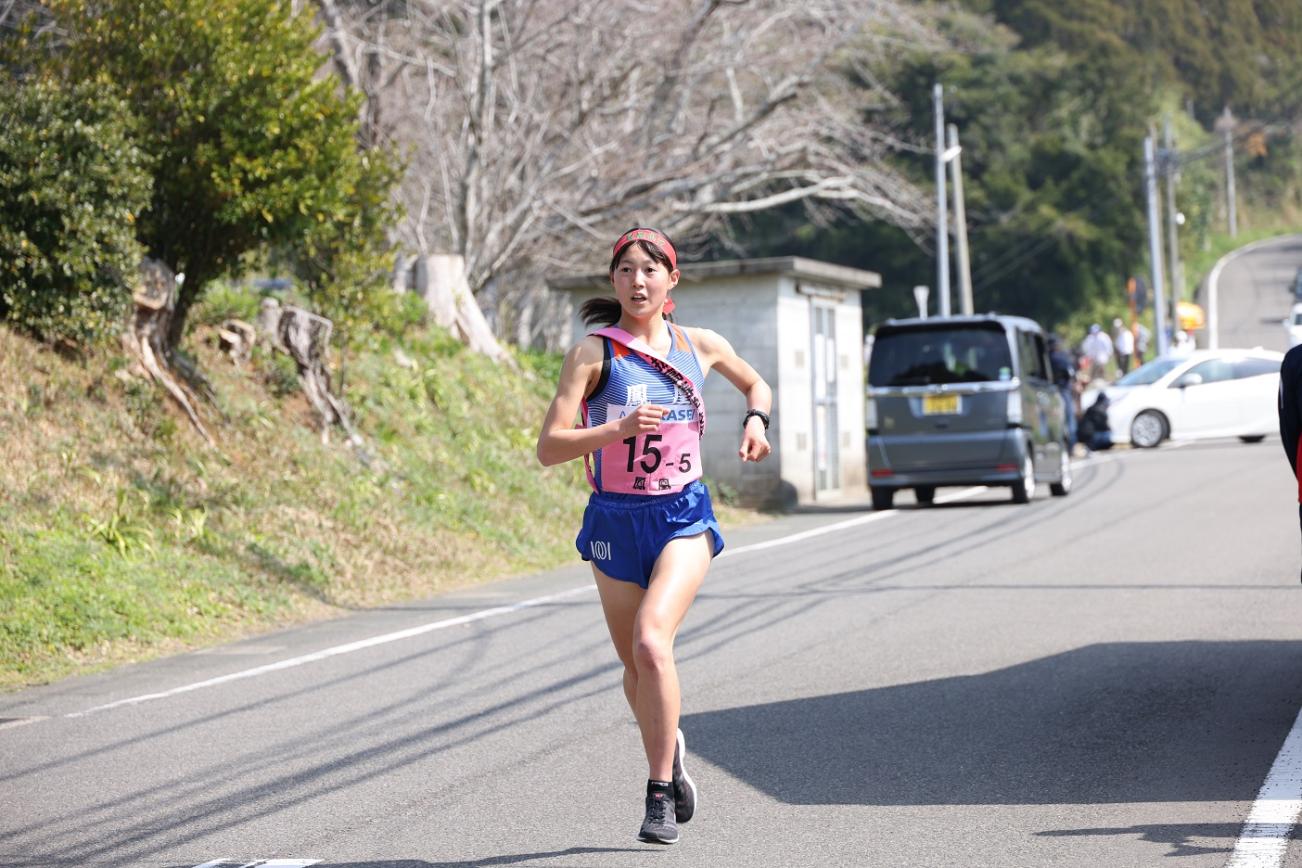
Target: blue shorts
[623,534]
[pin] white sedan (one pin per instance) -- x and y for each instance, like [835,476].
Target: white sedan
[1294,325]
[1207,393]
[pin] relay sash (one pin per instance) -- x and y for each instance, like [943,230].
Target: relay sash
[658,463]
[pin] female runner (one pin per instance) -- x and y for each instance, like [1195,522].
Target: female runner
[649,529]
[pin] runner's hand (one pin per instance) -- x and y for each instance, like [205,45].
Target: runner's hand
[644,419]
[754,444]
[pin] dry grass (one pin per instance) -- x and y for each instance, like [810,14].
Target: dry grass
[123,536]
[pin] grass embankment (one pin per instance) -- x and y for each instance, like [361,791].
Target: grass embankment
[123,537]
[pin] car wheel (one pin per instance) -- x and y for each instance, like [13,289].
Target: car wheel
[925,493]
[1148,429]
[883,498]
[1062,487]
[1254,438]
[1024,489]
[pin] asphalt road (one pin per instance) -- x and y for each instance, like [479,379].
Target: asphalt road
[1099,680]
[1256,293]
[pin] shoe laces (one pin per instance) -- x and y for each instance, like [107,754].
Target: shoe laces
[657,809]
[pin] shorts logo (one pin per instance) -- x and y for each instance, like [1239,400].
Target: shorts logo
[600,549]
[636,394]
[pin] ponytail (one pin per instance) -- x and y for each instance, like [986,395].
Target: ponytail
[600,311]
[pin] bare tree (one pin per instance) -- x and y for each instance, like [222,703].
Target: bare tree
[537,129]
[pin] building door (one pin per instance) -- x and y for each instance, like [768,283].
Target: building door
[827,461]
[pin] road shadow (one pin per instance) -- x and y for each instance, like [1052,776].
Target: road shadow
[1104,724]
[486,862]
[1182,838]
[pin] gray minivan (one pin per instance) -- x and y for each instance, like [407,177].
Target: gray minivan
[963,400]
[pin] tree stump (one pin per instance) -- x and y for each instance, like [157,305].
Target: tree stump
[155,299]
[441,281]
[306,337]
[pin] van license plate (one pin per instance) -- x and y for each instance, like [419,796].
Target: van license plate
[939,405]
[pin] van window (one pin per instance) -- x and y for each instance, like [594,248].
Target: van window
[1030,352]
[926,356]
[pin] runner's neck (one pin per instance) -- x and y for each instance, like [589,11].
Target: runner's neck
[654,331]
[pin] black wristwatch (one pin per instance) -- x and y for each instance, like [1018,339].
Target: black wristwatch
[763,417]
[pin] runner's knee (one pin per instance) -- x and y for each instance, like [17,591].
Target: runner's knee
[652,651]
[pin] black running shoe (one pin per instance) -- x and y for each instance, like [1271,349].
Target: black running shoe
[659,827]
[684,786]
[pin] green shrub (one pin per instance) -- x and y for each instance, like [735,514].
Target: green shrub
[72,182]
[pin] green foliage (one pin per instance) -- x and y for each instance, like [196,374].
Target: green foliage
[72,182]
[114,544]
[251,146]
[1216,52]
[1052,101]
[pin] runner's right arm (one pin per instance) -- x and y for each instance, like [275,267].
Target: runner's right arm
[561,439]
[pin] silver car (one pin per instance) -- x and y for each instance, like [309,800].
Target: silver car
[964,400]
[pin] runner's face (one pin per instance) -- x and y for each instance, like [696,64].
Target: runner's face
[641,283]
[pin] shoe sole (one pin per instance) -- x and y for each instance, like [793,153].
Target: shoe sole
[651,839]
[687,779]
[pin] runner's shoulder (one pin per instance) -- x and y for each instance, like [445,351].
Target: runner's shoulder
[707,341]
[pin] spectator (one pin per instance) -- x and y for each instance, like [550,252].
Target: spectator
[1097,347]
[1124,341]
[1094,431]
[1183,344]
[1063,370]
[1142,339]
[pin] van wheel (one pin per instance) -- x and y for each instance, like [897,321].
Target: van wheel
[1062,487]
[925,493]
[883,498]
[1148,429]
[1024,490]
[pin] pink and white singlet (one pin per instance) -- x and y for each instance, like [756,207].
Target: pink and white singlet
[663,461]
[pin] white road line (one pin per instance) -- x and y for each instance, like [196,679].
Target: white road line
[337,650]
[1263,843]
[259,863]
[842,525]
[481,615]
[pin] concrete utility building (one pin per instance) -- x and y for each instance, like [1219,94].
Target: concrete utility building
[799,322]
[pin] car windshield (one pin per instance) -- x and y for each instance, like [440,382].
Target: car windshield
[1147,374]
[926,356]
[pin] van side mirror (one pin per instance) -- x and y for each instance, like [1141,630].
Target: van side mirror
[1189,379]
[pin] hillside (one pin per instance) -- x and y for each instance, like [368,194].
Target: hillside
[122,536]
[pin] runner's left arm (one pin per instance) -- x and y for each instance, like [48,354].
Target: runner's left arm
[718,354]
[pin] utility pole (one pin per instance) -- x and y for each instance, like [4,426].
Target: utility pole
[960,223]
[1168,162]
[942,218]
[1226,126]
[1154,245]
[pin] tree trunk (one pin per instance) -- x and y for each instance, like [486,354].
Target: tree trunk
[155,317]
[441,281]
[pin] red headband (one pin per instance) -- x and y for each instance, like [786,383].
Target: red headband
[647,235]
